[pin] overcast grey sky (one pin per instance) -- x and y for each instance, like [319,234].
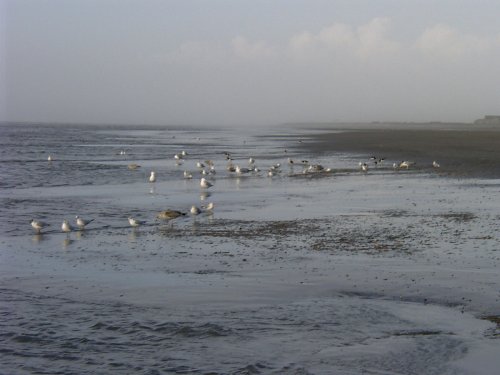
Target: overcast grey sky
[247,62]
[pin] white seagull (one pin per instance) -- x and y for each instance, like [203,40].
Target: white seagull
[404,164]
[195,210]
[272,172]
[38,225]
[204,183]
[81,223]
[209,207]
[66,226]
[435,164]
[152,177]
[134,222]
[240,170]
[187,175]
[49,158]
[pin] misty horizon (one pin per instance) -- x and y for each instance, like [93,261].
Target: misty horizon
[248,63]
[222,126]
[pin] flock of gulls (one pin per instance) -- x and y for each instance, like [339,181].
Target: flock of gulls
[66,227]
[207,168]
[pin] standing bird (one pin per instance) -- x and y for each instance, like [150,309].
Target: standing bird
[204,183]
[49,158]
[435,164]
[404,164]
[209,207]
[134,222]
[38,225]
[240,170]
[195,210]
[152,177]
[169,215]
[81,223]
[66,226]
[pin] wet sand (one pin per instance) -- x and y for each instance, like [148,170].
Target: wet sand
[324,273]
[461,153]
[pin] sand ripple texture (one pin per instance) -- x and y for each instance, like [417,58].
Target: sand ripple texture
[344,334]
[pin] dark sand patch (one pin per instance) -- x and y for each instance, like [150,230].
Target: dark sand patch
[495,333]
[473,153]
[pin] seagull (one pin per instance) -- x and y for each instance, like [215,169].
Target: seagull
[133,166]
[187,175]
[49,158]
[240,170]
[134,222]
[204,183]
[195,210]
[364,167]
[435,164]
[404,164]
[66,226]
[38,225]
[169,214]
[82,223]
[200,165]
[272,172]
[314,168]
[251,161]
[152,177]
[209,207]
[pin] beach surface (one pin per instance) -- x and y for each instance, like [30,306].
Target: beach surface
[330,271]
[465,151]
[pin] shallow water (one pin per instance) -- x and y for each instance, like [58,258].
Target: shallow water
[335,272]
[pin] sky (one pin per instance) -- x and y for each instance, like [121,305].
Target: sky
[248,62]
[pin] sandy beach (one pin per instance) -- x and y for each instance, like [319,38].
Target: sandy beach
[462,151]
[303,272]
